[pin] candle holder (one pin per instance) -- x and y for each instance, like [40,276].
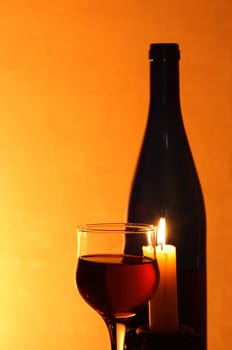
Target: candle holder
[184,339]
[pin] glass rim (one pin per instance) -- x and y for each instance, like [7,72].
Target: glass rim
[106,227]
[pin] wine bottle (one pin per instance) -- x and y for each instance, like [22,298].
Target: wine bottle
[166,184]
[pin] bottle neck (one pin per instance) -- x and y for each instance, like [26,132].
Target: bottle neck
[164,83]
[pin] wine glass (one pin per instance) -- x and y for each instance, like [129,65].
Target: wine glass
[115,284]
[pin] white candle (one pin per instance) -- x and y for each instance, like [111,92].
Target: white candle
[163,309]
[149,251]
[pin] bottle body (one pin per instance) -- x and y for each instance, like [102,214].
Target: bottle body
[166,185]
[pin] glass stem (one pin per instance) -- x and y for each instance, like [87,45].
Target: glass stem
[117,333]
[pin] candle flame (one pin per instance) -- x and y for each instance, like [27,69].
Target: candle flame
[161,232]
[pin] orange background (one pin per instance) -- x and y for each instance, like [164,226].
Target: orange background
[73,106]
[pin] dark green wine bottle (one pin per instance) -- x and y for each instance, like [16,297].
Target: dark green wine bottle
[166,184]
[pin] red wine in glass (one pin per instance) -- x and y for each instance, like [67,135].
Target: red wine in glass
[116,285]
[113,283]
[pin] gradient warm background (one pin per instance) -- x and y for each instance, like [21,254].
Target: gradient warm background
[73,107]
